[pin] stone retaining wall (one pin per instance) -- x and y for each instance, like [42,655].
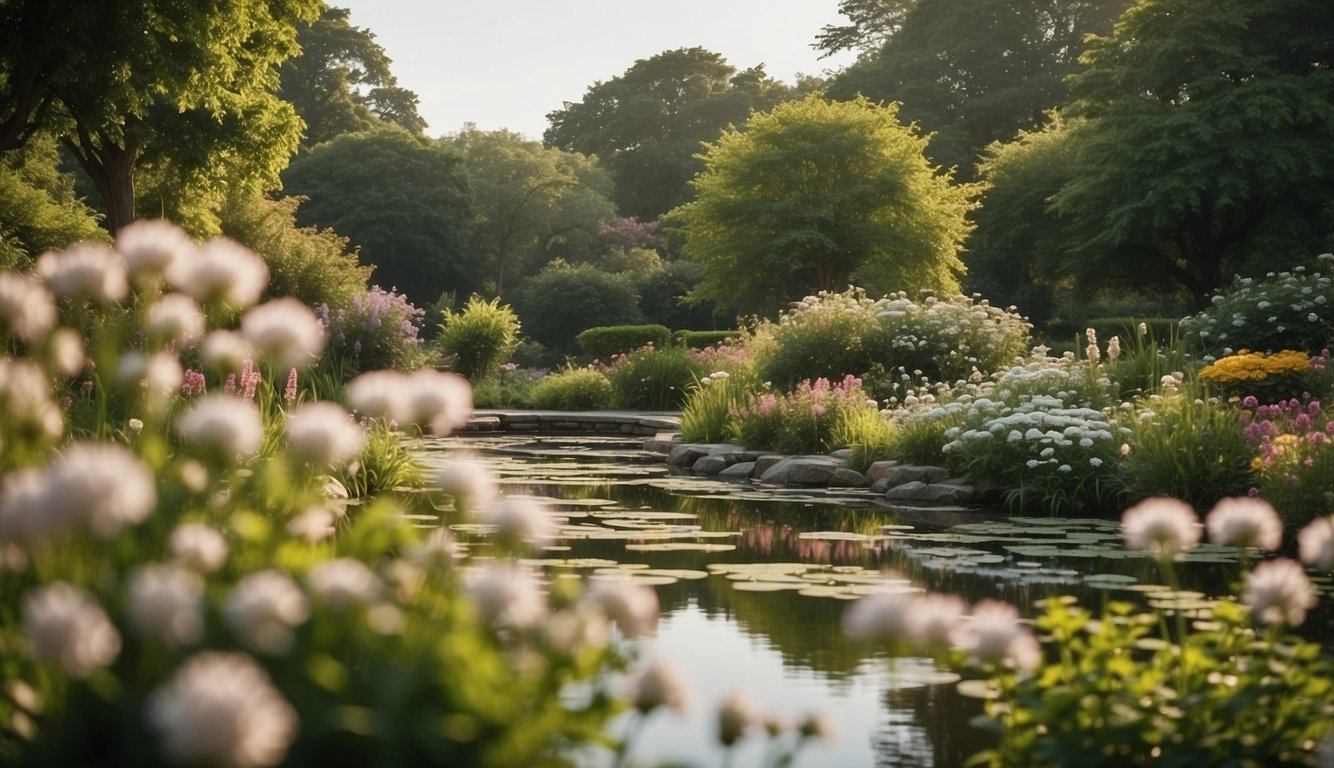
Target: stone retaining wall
[572,422]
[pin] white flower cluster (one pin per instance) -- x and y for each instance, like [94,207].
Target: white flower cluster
[1284,310]
[430,398]
[94,487]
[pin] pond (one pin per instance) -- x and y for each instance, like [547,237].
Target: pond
[753,584]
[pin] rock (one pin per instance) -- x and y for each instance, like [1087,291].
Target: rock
[842,453]
[907,473]
[663,442]
[880,485]
[879,470]
[711,464]
[741,470]
[847,478]
[802,470]
[764,462]
[931,493]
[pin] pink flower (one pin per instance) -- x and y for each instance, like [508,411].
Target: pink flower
[289,395]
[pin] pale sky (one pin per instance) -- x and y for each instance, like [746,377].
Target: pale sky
[507,63]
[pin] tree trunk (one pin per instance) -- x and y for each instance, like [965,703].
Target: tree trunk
[111,168]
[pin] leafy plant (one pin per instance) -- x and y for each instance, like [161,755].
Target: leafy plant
[807,420]
[1288,310]
[573,389]
[478,339]
[656,378]
[379,329]
[607,341]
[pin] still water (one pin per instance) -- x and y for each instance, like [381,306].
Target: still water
[753,584]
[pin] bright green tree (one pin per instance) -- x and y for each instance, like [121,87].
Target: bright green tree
[647,123]
[974,71]
[817,194]
[39,208]
[528,200]
[402,199]
[342,83]
[1206,124]
[183,91]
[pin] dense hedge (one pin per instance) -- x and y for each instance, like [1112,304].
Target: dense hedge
[605,342]
[702,339]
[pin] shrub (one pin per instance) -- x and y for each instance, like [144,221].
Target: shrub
[806,420]
[561,300]
[702,339]
[662,294]
[1288,310]
[946,339]
[478,339]
[868,433]
[1293,445]
[1141,361]
[573,389]
[1185,447]
[654,378]
[377,330]
[607,341]
[384,464]
[511,388]
[314,265]
[1270,377]
[706,416]
[822,336]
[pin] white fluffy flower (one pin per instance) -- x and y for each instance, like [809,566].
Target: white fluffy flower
[992,634]
[661,684]
[314,525]
[738,713]
[344,583]
[521,518]
[286,331]
[67,626]
[224,425]
[441,400]
[220,270]
[1160,526]
[1278,592]
[263,608]
[879,617]
[225,351]
[933,619]
[438,551]
[470,479]
[577,627]
[151,246]
[1244,522]
[379,394]
[509,595]
[66,352]
[27,309]
[25,516]
[175,319]
[221,709]
[324,434]
[818,725]
[198,547]
[25,400]
[85,270]
[100,486]
[633,607]
[1315,543]
[167,603]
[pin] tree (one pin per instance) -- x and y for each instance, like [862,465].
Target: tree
[563,299]
[402,199]
[647,124]
[975,71]
[39,209]
[871,23]
[814,195]
[156,84]
[527,198]
[342,83]
[1205,124]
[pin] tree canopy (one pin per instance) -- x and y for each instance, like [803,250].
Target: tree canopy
[647,124]
[402,199]
[184,90]
[974,71]
[816,194]
[1204,123]
[528,200]
[342,83]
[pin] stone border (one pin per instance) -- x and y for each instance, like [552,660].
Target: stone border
[642,423]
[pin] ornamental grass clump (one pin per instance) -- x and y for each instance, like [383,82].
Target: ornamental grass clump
[478,339]
[573,389]
[804,421]
[1287,310]
[181,590]
[653,378]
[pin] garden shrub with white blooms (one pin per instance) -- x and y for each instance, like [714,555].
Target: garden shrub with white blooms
[1181,682]
[1288,310]
[176,587]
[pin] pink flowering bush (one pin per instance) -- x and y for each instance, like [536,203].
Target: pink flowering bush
[802,421]
[379,329]
[1294,462]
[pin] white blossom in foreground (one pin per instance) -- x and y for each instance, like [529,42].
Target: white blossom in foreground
[579,626]
[1161,526]
[221,709]
[85,270]
[264,608]
[661,684]
[66,353]
[151,246]
[162,379]
[470,479]
[878,617]
[442,401]
[324,434]
[67,626]
[223,425]
[1315,543]
[521,519]
[220,271]
[225,351]
[25,400]
[933,619]
[27,309]
[344,584]
[1278,592]
[100,486]
[508,595]
[379,395]
[1244,522]
[437,552]
[286,331]
[634,607]
[818,725]
[167,603]
[992,634]
[25,516]
[198,547]
[738,713]
[175,319]
[314,525]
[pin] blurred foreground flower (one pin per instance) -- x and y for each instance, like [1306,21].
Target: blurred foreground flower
[1161,526]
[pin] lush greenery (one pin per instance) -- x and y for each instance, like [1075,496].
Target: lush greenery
[652,377]
[820,194]
[564,299]
[573,389]
[479,339]
[605,342]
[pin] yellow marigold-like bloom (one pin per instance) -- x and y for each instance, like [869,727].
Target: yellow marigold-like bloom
[1256,366]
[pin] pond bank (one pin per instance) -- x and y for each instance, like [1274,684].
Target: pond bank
[642,423]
